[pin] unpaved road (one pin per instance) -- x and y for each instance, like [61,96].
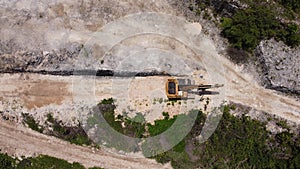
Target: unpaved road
[35,91]
[24,140]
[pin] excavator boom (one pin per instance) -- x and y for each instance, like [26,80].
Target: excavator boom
[199,87]
[174,90]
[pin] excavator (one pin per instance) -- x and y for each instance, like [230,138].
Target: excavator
[180,88]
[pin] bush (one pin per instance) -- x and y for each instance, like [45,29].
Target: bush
[39,162]
[107,101]
[236,143]
[7,162]
[47,162]
[75,135]
[246,28]
[291,4]
[30,121]
[50,118]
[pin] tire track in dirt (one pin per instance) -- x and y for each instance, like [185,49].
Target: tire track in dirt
[19,140]
[243,89]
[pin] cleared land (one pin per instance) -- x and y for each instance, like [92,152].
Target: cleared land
[135,43]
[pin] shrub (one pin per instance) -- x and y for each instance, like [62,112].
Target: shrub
[246,28]
[107,101]
[7,162]
[39,162]
[291,4]
[30,121]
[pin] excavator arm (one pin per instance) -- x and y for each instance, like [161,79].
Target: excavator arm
[198,87]
[176,91]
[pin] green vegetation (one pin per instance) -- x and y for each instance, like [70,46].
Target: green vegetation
[39,162]
[109,126]
[161,125]
[134,127]
[283,124]
[291,4]
[179,155]
[75,135]
[47,162]
[160,100]
[7,162]
[237,143]
[30,121]
[50,118]
[248,27]
[107,101]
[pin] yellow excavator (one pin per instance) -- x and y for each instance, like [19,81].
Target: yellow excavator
[180,88]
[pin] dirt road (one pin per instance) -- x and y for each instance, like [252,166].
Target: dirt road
[19,140]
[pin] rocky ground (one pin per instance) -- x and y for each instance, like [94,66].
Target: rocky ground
[38,35]
[280,66]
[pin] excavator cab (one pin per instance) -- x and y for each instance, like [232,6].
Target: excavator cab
[173,91]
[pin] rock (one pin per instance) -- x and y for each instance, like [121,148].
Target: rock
[20,60]
[45,53]
[280,66]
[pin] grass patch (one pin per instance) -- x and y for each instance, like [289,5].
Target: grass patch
[283,124]
[291,5]
[161,125]
[39,162]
